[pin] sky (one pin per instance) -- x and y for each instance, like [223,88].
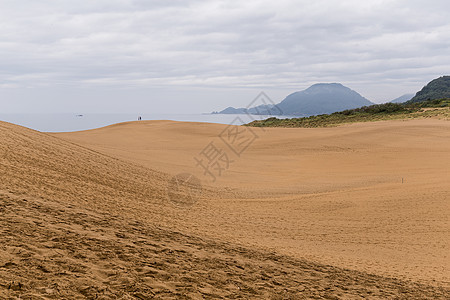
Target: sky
[173,56]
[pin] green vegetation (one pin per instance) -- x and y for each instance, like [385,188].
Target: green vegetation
[439,108]
[437,89]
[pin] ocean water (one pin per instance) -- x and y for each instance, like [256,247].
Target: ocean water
[73,122]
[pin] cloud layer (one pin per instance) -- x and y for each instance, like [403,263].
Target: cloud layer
[380,48]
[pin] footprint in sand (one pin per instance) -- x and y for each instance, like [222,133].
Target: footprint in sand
[184,190]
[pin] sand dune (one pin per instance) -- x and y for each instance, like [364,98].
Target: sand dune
[300,214]
[333,195]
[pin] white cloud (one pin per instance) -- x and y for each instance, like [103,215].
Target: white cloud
[284,44]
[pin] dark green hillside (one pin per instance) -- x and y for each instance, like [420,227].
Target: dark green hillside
[437,89]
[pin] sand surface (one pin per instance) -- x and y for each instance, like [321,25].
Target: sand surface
[333,195]
[298,213]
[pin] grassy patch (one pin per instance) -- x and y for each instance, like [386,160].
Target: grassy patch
[388,111]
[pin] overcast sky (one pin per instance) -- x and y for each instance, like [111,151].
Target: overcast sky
[198,56]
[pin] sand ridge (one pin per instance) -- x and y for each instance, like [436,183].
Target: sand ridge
[55,251]
[333,195]
[81,219]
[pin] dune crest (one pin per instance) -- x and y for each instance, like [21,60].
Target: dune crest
[81,221]
[333,195]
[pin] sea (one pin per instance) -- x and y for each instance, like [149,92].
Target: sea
[74,122]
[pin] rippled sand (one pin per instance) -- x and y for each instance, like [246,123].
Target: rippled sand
[298,213]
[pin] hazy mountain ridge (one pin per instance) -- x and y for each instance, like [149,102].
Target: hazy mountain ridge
[433,101]
[402,99]
[321,98]
[258,110]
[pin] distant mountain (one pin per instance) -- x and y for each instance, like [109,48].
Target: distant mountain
[437,89]
[258,110]
[321,98]
[233,111]
[402,99]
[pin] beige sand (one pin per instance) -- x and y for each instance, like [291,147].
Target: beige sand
[86,214]
[333,195]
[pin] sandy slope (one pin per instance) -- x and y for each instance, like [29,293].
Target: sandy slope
[332,195]
[86,215]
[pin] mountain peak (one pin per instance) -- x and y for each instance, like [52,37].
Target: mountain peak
[402,98]
[325,88]
[437,89]
[320,98]
[327,85]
